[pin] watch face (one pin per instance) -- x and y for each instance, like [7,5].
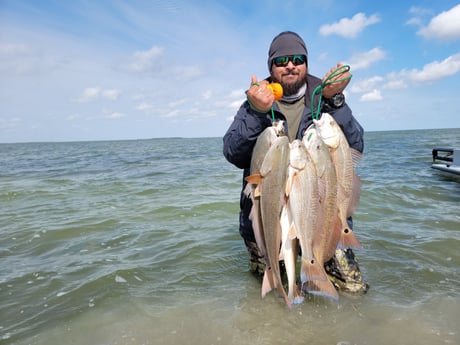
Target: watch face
[338,100]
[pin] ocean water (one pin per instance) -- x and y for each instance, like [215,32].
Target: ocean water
[136,242]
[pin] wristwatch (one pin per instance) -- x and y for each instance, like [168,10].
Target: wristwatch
[336,101]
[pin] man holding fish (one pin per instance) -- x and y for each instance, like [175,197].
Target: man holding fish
[280,124]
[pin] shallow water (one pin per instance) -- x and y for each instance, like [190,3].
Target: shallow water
[136,242]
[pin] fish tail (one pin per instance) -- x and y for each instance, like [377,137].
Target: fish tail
[268,283]
[283,294]
[323,288]
[311,270]
[295,297]
[279,285]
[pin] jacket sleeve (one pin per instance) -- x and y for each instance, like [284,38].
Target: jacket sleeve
[350,126]
[242,134]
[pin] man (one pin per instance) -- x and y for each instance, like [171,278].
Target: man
[288,65]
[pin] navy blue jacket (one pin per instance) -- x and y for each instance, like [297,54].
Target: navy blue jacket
[242,134]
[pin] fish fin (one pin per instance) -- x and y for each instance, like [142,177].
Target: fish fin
[283,294]
[278,127]
[285,224]
[254,179]
[348,239]
[281,255]
[311,270]
[289,184]
[356,157]
[257,229]
[356,192]
[295,295]
[267,282]
[248,190]
[322,288]
[296,298]
[292,234]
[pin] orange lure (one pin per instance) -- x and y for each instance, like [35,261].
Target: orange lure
[277,90]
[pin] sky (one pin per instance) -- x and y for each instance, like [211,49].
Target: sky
[118,69]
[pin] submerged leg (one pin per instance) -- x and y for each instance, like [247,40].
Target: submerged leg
[256,260]
[344,272]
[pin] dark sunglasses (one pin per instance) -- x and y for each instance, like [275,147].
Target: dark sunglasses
[282,61]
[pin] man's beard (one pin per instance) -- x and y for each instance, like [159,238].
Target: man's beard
[292,88]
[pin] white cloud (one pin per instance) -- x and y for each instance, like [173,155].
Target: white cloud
[144,106]
[207,94]
[143,61]
[73,117]
[395,84]
[369,88]
[111,94]
[372,96]
[414,21]
[366,59]
[177,103]
[231,101]
[10,123]
[366,85]
[237,93]
[444,26]
[236,104]
[13,50]
[91,94]
[24,59]
[432,71]
[170,113]
[418,13]
[349,28]
[138,96]
[435,70]
[187,72]
[115,115]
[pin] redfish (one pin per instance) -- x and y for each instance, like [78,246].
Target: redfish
[272,185]
[348,184]
[325,237]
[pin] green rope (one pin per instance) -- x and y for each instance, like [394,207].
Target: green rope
[315,113]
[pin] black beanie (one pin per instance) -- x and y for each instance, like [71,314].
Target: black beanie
[286,43]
